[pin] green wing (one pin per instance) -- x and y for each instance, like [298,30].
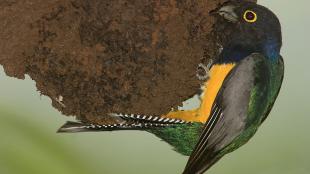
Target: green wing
[277,75]
[238,110]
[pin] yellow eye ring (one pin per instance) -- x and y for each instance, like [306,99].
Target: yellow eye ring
[250,16]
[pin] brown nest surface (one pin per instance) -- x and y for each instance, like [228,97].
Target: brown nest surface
[101,56]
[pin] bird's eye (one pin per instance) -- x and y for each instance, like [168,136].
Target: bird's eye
[250,16]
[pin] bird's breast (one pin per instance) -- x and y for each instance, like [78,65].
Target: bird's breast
[218,73]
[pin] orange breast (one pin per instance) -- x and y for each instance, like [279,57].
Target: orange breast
[201,114]
[218,74]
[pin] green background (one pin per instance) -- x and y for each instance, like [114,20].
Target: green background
[29,144]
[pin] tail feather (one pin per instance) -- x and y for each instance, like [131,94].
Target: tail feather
[149,118]
[73,127]
[201,166]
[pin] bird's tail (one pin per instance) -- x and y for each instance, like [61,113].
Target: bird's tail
[148,118]
[202,166]
[128,122]
[74,127]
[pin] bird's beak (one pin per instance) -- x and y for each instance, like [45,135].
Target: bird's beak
[228,12]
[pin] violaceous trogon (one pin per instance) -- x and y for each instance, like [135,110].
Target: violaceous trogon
[243,85]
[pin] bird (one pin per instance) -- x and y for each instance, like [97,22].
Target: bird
[243,85]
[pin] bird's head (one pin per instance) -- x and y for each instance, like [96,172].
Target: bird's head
[254,29]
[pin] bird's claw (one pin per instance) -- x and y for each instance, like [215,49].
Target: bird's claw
[206,69]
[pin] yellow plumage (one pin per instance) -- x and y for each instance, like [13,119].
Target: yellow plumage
[218,74]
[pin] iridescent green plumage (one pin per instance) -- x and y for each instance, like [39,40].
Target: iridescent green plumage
[182,138]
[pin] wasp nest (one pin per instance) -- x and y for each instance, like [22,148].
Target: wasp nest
[101,56]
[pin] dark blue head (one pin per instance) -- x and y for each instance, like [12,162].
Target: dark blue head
[255,29]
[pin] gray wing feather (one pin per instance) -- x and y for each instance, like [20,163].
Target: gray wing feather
[232,101]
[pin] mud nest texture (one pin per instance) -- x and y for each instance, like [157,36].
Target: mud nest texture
[100,56]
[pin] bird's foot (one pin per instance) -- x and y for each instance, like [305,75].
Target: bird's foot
[203,70]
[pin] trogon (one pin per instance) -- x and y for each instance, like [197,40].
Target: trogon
[239,94]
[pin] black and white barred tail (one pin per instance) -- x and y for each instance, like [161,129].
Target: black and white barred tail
[148,118]
[73,127]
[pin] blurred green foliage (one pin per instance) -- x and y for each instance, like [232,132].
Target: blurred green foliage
[26,148]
